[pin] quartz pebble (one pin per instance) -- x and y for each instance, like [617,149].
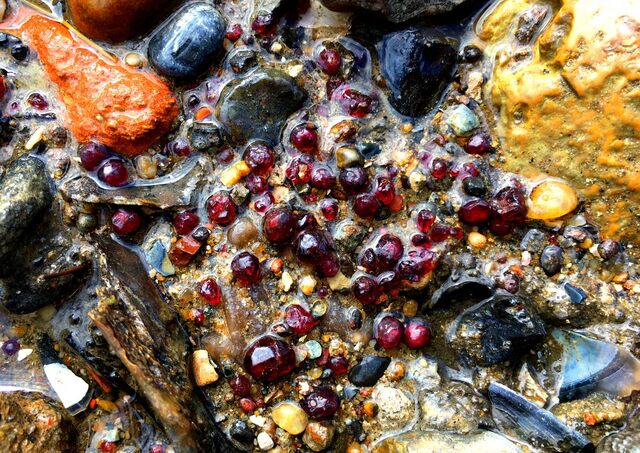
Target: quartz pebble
[318,435]
[395,408]
[265,442]
[290,417]
[204,372]
[462,120]
[551,200]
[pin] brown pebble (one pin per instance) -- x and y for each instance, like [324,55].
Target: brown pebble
[396,371]
[242,232]
[370,408]
[410,308]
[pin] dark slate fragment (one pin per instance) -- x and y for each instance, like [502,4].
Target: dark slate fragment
[417,64]
[185,46]
[519,417]
[26,194]
[258,105]
[577,295]
[368,371]
[496,330]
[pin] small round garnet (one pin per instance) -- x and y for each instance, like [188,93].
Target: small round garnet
[304,138]
[329,61]
[185,222]
[417,333]
[439,168]
[322,178]
[125,221]
[92,155]
[424,220]
[388,332]
[260,158]
[478,144]
[475,212]
[365,206]
[221,208]
[299,320]
[339,365]
[354,180]
[388,250]
[114,173]
[210,291]
[299,169]
[240,385]
[385,191]
[269,358]
[245,268]
[321,404]
[365,290]
[356,103]
[329,208]
[279,225]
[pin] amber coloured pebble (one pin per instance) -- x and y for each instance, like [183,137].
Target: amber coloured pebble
[551,199]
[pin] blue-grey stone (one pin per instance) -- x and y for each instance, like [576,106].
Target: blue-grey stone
[185,46]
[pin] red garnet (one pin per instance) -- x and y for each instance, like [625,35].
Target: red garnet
[478,144]
[329,61]
[234,33]
[388,281]
[475,212]
[245,268]
[321,404]
[509,205]
[279,225]
[417,333]
[114,173]
[385,191]
[256,184]
[354,180]
[268,359]
[388,250]
[304,138]
[355,103]
[180,147]
[339,365]
[322,178]
[417,264]
[424,220]
[365,206]
[365,290]
[125,221]
[157,448]
[260,158]
[264,25]
[247,405]
[240,385]
[299,320]
[299,169]
[439,168]
[221,208]
[500,228]
[210,291]
[329,208]
[185,222]
[263,202]
[37,101]
[439,232]
[198,317]
[388,332]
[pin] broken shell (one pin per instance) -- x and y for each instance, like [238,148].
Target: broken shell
[463,286]
[551,199]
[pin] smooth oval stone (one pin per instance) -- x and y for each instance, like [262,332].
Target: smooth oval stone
[185,45]
[369,371]
[258,105]
[424,441]
[26,194]
[116,20]
[417,65]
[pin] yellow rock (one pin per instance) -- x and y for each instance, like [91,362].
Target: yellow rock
[290,417]
[568,103]
[551,199]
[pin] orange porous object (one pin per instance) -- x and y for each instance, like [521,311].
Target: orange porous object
[123,108]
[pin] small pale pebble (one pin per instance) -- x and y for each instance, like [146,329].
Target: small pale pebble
[276,47]
[314,373]
[296,70]
[232,175]
[551,199]
[134,59]
[290,417]
[461,119]
[417,180]
[318,435]
[265,442]
[338,282]
[204,372]
[35,138]
[477,240]
[314,348]
[146,167]
[287,281]
[258,420]
[307,285]
[526,258]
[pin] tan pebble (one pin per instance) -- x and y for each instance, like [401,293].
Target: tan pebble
[417,180]
[551,199]
[410,308]
[406,128]
[347,156]
[354,447]
[134,59]
[621,278]
[396,371]
[204,372]
[242,232]
[307,285]
[477,240]
[146,167]
[276,47]
[232,175]
[315,373]
[318,435]
[338,281]
[343,130]
[287,281]
[290,417]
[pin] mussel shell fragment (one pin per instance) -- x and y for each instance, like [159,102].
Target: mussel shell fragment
[590,365]
[462,286]
[518,417]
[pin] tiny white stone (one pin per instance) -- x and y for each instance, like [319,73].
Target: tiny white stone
[70,388]
[265,442]
[258,420]
[23,354]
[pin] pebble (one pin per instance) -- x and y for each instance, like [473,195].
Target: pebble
[290,417]
[551,260]
[474,186]
[241,433]
[477,240]
[551,200]
[265,442]
[347,156]
[314,349]
[134,59]
[461,119]
[608,249]
[318,435]
[307,285]
[395,408]
[146,167]
[410,308]
[184,47]
[204,372]
[368,371]
[242,232]
[86,222]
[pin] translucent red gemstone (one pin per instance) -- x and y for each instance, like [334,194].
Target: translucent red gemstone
[329,209]
[356,103]
[247,405]
[240,385]
[264,25]
[417,264]
[365,206]
[279,225]
[475,212]
[114,173]
[354,180]
[478,144]
[329,61]
[256,184]
[339,365]
[210,291]
[221,209]
[260,158]
[299,169]
[185,222]
[322,178]
[263,202]
[439,168]
[417,333]
[234,33]
[509,205]
[388,332]
[299,320]
[425,220]
[92,155]
[245,268]
[321,404]
[269,358]
[388,250]
[304,138]
[125,221]
[385,191]
[365,289]
[37,101]
[198,317]
[439,232]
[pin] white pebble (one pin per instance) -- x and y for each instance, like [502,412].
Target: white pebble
[265,442]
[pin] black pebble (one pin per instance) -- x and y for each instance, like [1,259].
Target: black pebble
[369,371]
[201,234]
[551,260]
[241,433]
[19,52]
[242,60]
[608,249]
[470,54]
[474,186]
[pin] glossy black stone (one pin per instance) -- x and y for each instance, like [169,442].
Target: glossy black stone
[369,371]
[474,186]
[417,65]
[185,46]
[241,433]
[551,259]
